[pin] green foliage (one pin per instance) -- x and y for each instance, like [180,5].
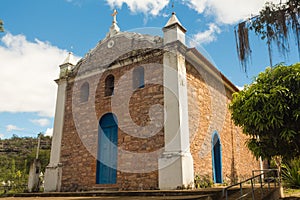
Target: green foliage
[15,179]
[275,23]
[291,173]
[203,181]
[16,155]
[268,110]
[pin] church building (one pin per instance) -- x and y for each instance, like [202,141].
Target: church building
[142,111]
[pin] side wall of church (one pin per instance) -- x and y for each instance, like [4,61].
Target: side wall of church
[208,114]
[138,149]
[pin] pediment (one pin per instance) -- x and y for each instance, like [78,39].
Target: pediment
[113,48]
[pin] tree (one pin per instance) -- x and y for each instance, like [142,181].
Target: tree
[268,110]
[275,24]
[1,26]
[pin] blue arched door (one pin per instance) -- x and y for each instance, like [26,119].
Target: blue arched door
[217,158]
[107,155]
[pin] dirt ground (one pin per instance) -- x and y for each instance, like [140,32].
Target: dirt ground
[72,198]
[96,198]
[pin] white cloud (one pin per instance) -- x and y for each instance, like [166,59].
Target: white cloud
[27,73]
[223,12]
[11,127]
[1,136]
[240,87]
[229,11]
[152,7]
[207,36]
[41,122]
[49,132]
[75,2]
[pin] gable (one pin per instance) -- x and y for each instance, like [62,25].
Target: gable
[113,49]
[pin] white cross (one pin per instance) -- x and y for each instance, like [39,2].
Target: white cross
[114,15]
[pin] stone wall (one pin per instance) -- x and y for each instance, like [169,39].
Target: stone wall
[140,120]
[140,132]
[208,113]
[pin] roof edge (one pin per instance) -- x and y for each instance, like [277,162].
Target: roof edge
[229,84]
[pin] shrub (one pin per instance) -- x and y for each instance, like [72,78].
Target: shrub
[291,173]
[203,181]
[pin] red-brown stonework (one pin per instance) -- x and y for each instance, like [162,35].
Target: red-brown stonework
[208,101]
[80,133]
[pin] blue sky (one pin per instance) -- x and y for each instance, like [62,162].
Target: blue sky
[39,34]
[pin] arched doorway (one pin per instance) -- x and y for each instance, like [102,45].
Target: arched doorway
[217,158]
[107,155]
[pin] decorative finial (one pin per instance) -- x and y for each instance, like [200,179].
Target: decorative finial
[69,59]
[114,16]
[173,6]
[114,29]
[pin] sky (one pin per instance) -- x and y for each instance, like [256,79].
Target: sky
[39,34]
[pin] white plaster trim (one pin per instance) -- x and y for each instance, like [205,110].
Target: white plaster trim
[193,57]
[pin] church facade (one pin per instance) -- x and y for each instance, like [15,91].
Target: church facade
[144,112]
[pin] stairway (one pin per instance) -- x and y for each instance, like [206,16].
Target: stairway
[264,186]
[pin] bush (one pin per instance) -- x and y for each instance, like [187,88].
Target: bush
[291,173]
[203,182]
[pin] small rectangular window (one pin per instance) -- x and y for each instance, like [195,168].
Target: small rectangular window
[109,85]
[138,78]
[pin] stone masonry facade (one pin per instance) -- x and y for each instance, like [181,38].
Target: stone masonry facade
[208,112]
[80,136]
[158,137]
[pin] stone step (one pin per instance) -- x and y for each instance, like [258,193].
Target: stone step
[247,194]
[208,194]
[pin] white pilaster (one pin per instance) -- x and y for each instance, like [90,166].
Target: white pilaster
[54,169]
[176,163]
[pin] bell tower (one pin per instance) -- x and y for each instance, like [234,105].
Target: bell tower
[176,163]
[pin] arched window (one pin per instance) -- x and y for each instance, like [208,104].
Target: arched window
[109,85]
[84,92]
[138,78]
[217,158]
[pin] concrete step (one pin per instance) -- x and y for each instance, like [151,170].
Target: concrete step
[247,193]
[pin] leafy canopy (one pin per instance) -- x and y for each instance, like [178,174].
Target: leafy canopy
[268,110]
[275,24]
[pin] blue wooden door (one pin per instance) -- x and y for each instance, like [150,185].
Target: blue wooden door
[217,159]
[107,150]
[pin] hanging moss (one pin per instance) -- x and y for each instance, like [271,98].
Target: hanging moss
[242,42]
[275,23]
[1,26]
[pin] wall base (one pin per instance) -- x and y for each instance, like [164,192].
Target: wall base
[176,170]
[53,178]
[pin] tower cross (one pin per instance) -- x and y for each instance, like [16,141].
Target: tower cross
[114,16]
[173,7]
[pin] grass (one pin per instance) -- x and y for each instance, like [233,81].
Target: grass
[291,192]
